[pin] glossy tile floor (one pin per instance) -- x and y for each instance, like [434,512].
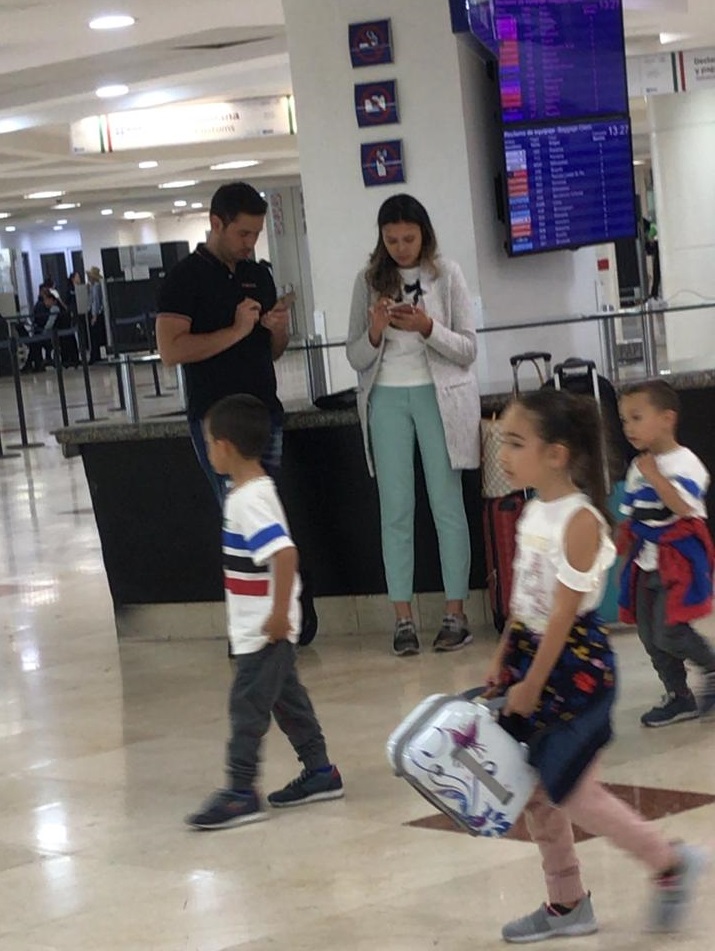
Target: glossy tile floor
[104,748]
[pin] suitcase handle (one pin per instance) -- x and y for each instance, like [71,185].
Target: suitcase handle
[574,363]
[503,795]
[531,355]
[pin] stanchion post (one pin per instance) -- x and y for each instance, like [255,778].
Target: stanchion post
[19,399]
[120,386]
[130,391]
[57,360]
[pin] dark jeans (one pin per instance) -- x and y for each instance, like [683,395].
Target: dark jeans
[267,682]
[668,646]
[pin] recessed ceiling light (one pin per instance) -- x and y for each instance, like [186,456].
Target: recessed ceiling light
[197,204]
[181,183]
[112,92]
[4,214]
[41,195]
[180,204]
[61,221]
[148,164]
[107,211]
[222,166]
[11,228]
[67,206]
[137,215]
[113,21]
[57,228]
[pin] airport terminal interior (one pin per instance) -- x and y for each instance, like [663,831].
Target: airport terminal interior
[110,737]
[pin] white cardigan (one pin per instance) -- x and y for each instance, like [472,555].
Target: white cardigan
[451,349]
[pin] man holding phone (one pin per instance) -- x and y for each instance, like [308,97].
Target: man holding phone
[220,319]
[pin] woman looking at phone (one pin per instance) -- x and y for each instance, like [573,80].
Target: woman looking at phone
[412,342]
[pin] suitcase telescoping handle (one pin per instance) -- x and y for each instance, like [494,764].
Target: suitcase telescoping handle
[534,357]
[573,367]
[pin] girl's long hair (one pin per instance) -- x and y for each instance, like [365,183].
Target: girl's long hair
[574,422]
[383,275]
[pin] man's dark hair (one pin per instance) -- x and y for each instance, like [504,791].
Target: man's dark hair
[242,420]
[237,198]
[659,394]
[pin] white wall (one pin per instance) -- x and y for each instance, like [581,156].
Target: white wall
[341,213]
[683,146]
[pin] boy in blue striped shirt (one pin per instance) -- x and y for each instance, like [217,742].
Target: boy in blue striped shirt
[669,568]
[262,604]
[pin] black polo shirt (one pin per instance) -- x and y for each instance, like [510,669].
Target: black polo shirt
[206,291]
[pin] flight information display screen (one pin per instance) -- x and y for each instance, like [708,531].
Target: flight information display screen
[569,185]
[560,59]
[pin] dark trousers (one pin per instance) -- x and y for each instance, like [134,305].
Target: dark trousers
[267,682]
[668,646]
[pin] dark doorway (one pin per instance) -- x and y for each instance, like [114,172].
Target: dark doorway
[78,264]
[27,273]
[55,266]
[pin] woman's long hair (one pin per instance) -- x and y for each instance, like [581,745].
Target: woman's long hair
[574,422]
[383,274]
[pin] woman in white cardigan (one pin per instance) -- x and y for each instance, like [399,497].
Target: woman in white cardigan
[412,342]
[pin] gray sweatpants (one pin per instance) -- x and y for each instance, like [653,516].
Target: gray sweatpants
[668,646]
[267,682]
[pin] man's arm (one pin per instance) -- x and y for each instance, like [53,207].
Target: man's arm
[277,322]
[177,345]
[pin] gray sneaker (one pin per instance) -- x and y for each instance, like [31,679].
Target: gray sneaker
[674,892]
[453,635]
[405,640]
[540,925]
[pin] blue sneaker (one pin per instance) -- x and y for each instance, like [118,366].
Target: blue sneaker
[315,786]
[673,892]
[226,809]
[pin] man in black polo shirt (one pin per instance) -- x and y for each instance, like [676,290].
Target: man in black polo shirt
[219,318]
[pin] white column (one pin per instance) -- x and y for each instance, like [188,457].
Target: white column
[683,146]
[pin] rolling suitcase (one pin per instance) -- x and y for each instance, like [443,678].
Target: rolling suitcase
[456,755]
[500,514]
[581,377]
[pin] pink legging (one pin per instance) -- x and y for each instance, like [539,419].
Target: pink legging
[595,810]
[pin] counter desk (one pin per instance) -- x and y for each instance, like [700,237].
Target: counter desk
[159,525]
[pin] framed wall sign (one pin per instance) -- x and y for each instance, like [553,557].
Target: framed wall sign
[382,163]
[376,103]
[370,43]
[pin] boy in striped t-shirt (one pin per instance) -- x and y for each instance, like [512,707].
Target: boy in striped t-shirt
[667,579]
[262,589]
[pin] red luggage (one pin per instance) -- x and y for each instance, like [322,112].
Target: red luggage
[501,514]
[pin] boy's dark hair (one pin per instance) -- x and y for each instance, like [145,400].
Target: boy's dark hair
[574,422]
[237,198]
[242,420]
[659,394]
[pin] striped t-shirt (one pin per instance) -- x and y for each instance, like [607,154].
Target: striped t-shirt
[686,472]
[254,529]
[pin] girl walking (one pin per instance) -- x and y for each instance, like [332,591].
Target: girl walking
[556,664]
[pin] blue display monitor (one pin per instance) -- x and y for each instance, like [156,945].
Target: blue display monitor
[560,59]
[481,24]
[569,186]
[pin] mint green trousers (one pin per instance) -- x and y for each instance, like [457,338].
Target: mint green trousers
[397,416]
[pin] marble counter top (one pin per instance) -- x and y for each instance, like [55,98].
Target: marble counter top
[302,415]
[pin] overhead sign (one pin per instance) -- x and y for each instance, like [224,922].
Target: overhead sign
[376,103]
[183,125]
[696,69]
[652,75]
[382,163]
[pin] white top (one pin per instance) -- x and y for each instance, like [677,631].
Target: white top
[404,359]
[541,561]
[682,468]
[254,530]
